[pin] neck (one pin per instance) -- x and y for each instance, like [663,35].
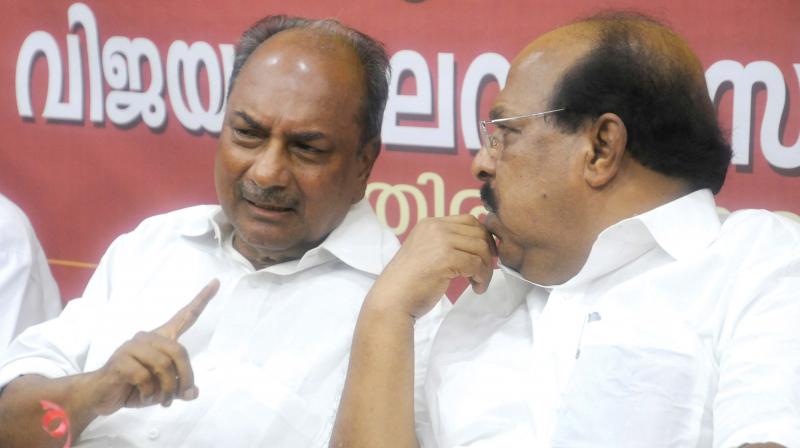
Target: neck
[260,258]
[637,192]
[640,191]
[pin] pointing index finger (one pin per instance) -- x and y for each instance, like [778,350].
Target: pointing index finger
[188,315]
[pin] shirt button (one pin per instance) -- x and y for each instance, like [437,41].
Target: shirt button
[153,434]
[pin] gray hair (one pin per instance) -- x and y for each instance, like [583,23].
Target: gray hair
[370,52]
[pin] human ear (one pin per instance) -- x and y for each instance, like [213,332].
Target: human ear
[365,160]
[609,138]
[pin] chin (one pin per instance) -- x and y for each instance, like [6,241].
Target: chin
[272,244]
[510,262]
[266,241]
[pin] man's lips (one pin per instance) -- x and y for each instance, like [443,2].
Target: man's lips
[271,207]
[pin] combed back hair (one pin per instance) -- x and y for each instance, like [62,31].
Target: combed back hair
[646,74]
[370,52]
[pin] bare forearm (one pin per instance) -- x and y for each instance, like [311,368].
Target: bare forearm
[150,368]
[377,407]
[21,412]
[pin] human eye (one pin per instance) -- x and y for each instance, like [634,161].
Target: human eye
[498,134]
[308,152]
[309,148]
[504,129]
[245,133]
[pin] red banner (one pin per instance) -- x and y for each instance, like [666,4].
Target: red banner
[110,110]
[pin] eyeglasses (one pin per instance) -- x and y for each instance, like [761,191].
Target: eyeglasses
[489,137]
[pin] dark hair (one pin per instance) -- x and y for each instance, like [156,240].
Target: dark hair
[643,72]
[370,52]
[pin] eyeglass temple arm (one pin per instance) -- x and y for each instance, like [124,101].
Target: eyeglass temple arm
[500,120]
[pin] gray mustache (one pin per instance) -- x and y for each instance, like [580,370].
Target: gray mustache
[275,196]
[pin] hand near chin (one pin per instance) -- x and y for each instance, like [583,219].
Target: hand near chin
[437,251]
[152,367]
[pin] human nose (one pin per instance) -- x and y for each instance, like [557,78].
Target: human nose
[271,166]
[483,165]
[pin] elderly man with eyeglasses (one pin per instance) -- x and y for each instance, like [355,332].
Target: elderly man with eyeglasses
[626,312]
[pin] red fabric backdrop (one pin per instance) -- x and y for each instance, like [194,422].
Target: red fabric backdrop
[131,133]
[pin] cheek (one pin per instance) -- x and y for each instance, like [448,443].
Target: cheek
[515,187]
[327,193]
[233,161]
[329,184]
[227,169]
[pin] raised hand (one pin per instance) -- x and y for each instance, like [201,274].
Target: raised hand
[437,251]
[377,407]
[152,367]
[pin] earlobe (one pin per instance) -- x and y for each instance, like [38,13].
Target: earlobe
[609,139]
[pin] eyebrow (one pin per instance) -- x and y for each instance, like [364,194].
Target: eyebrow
[250,121]
[298,136]
[497,112]
[305,136]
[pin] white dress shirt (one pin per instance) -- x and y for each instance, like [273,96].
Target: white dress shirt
[269,353]
[28,292]
[681,330]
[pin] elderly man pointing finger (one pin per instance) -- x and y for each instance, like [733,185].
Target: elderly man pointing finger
[295,248]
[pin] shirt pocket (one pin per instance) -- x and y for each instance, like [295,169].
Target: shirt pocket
[634,385]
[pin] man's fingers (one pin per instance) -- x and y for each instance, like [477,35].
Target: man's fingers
[480,282]
[167,363]
[188,315]
[476,268]
[148,352]
[142,380]
[475,246]
[186,389]
[462,219]
[468,226]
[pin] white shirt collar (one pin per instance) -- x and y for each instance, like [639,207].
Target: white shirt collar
[684,226]
[355,239]
[681,228]
[353,242]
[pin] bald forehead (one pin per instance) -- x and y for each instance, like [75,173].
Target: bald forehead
[309,39]
[539,66]
[547,59]
[304,42]
[307,51]
[562,46]
[573,41]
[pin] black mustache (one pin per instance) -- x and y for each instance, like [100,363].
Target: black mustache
[274,196]
[489,199]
